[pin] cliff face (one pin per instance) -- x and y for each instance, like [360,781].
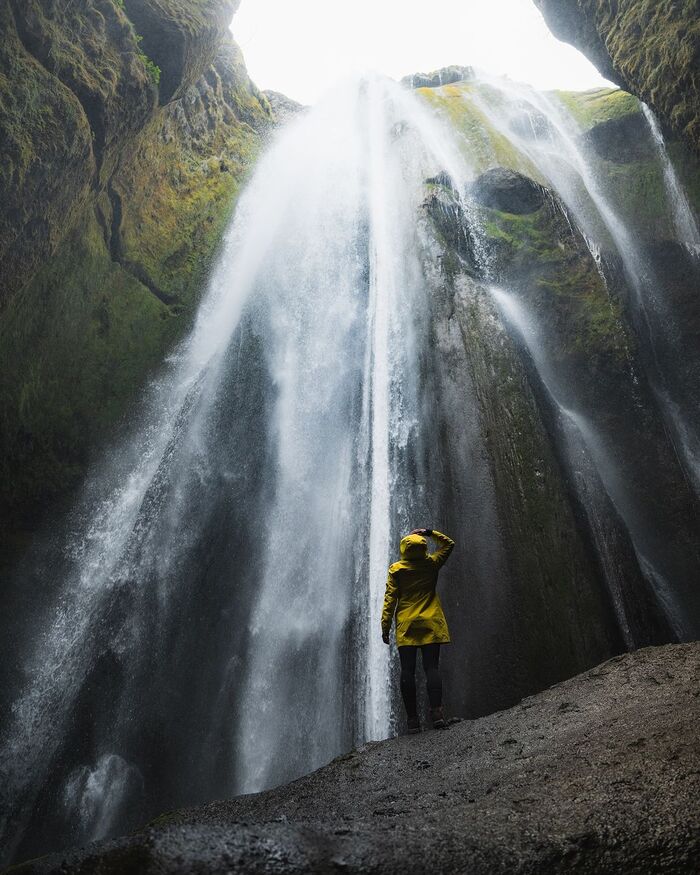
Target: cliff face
[650,48]
[594,271]
[128,127]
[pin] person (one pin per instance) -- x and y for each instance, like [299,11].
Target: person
[420,621]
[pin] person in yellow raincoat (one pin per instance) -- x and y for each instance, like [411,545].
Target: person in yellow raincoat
[420,621]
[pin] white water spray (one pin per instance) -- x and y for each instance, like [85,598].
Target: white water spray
[308,327]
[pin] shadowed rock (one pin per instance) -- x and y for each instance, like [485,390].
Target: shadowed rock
[651,49]
[508,191]
[599,773]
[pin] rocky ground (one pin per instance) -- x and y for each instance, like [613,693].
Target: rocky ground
[599,774]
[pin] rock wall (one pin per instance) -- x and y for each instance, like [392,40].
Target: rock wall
[650,48]
[593,356]
[128,126]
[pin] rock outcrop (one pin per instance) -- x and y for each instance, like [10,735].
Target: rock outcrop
[598,774]
[438,78]
[649,48]
[282,106]
[128,126]
[508,191]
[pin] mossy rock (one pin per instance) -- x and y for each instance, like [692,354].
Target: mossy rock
[81,338]
[598,105]
[482,145]
[543,257]
[181,37]
[651,49]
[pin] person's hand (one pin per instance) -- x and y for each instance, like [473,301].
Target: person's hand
[385,637]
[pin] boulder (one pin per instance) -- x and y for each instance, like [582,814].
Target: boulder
[508,191]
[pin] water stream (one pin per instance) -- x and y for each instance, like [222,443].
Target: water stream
[210,624]
[548,135]
[225,569]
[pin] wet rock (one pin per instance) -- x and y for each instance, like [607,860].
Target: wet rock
[622,140]
[599,773]
[508,191]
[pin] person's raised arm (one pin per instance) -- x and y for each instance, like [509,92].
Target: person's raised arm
[390,598]
[445,547]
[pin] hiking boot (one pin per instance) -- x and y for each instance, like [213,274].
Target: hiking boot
[413,725]
[438,718]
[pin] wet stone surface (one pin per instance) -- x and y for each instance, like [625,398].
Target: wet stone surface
[600,773]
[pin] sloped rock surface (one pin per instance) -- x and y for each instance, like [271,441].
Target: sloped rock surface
[600,773]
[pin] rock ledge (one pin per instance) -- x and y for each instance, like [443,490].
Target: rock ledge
[600,773]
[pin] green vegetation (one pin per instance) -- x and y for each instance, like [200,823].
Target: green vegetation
[539,255]
[598,105]
[82,337]
[152,69]
[482,145]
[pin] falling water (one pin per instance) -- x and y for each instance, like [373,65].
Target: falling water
[239,536]
[551,141]
[590,466]
[686,225]
[215,627]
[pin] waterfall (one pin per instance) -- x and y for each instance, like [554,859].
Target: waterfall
[207,617]
[237,538]
[552,141]
[594,468]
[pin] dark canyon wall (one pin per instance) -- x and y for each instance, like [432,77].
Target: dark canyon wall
[127,127]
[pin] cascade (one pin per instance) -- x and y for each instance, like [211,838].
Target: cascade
[225,567]
[594,468]
[551,140]
[686,224]
[211,617]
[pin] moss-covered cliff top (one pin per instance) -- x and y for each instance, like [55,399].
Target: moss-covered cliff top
[597,105]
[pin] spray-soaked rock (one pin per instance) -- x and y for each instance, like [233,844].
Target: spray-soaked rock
[509,191]
[597,774]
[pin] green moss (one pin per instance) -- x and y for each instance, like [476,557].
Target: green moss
[82,337]
[597,105]
[538,253]
[152,68]
[482,145]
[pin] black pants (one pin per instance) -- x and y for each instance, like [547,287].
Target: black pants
[430,654]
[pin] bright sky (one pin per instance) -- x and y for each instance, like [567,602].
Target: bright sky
[300,47]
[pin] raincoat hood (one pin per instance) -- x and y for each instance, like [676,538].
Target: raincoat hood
[414,547]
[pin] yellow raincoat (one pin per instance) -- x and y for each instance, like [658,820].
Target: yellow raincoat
[410,592]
